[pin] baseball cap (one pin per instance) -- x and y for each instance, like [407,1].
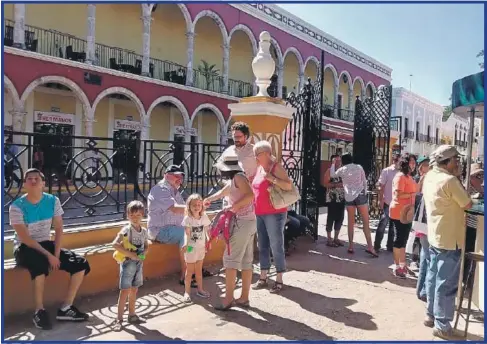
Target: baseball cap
[445,152]
[174,169]
[422,159]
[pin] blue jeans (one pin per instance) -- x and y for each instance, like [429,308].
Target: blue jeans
[270,235]
[171,235]
[442,285]
[424,261]
[131,275]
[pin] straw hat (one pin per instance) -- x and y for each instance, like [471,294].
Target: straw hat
[227,163]
[475,169]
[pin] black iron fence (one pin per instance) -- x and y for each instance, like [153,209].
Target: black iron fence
[96,177]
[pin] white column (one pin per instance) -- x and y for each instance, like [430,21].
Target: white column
[350,99]
[90,34]
[144,135]
[301,82]
[19,26]
[335,95]
[223,136]
[18,116]
[255,88]
[280,79]
[226,60]
[146,19]
[189,57]
[363,94]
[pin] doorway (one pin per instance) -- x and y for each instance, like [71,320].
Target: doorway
[53,149]
[126,160]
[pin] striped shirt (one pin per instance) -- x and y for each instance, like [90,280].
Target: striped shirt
[353,179]
[163,196]
[36,217]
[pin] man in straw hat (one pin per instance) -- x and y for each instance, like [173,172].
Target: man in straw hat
[445,201]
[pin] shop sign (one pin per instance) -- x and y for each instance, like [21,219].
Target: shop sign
[121,124]
[54,117]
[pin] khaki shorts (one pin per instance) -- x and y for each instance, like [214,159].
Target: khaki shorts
[241,255]
[197,254]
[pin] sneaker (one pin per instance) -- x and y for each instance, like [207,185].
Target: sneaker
[399,272]
[186,298]
[71,314]
[41,320]
[429,321]
[446,335]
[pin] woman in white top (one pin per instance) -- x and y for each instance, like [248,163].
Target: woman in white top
[355,187]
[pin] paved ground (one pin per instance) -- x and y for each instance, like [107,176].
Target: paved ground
[330,295]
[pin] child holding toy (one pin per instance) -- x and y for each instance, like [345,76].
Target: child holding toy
[131,245]
[196,223]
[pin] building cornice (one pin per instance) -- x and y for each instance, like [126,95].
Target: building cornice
[81,65]
[282,19]
[401,92]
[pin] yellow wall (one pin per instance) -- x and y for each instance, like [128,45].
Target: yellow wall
[208,45]
[357,90]
[329,87]
[45,102]
[368,91]
[68,18]
[8,11]
[291,73]
[343,89]
[168,34]
[123,109]
[122,26]
[160,120]
[209,130]
[311,71]
[241,56]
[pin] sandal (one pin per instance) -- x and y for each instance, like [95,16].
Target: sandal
[338,242]
[206,273]
[277,287]
[225,308]
[245,304]
[117,325]
[331,243]
[135,319]
[372,253]
[261,284]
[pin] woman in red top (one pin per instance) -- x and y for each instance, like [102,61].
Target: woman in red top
[270,221]
[404,190]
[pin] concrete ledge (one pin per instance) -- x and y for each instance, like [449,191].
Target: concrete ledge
[161,260]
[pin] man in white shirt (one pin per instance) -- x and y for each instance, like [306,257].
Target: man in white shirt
[385,197]
[243,149]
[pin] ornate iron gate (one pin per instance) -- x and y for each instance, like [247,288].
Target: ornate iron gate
[301,152]
[371,137]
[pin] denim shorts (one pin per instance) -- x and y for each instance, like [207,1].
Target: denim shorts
[131,274]
[171,235]
[361,199]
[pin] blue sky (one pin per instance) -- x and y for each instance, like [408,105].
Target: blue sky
[437,43]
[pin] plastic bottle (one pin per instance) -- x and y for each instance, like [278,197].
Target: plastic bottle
[189,249]
[141,256]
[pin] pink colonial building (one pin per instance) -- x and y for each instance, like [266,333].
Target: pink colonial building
[167,69]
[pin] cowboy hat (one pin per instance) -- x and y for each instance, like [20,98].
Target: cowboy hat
[227,163]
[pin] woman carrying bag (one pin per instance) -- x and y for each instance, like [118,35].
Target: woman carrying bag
[274,192]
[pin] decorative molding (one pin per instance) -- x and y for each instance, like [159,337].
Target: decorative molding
[212,108]
[174,101]
[246,29]
[80,94]
[297,27]
[261,109]
[362,85]
[275,140]
[313,59]
[108,71]
[298,57]
[333,70]
[218,20]
[120,90]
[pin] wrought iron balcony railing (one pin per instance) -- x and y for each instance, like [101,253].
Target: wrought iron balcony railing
[408,134]
[342,114]
[394,125]
[59,44]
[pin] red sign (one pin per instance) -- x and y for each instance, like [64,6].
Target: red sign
[53,117]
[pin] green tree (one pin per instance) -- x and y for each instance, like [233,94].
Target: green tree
[447,110]
[481,55]
[209,72]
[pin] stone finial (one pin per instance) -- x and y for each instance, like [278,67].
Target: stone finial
[263,64]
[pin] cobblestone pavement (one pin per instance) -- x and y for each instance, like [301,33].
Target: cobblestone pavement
[329,295]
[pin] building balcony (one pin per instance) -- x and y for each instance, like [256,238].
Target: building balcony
[409,134]
[55,43]
[341,114]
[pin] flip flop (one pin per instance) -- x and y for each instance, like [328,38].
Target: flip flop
[373,254]
[339,243]
[223,308]
[331,244]
[351,251]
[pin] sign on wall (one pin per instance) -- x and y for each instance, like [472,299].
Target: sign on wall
[54,117]
[121,124]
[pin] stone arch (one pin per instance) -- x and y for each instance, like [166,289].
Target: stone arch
[215,110]
[249,33]
[280,57]
[174,101]
[349,77]
[8,84]
[186,15]
[80,94]
[314,59]
[334,71]
[362,83]
[218,20]
[298,57]
[126,92]
[371,84]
